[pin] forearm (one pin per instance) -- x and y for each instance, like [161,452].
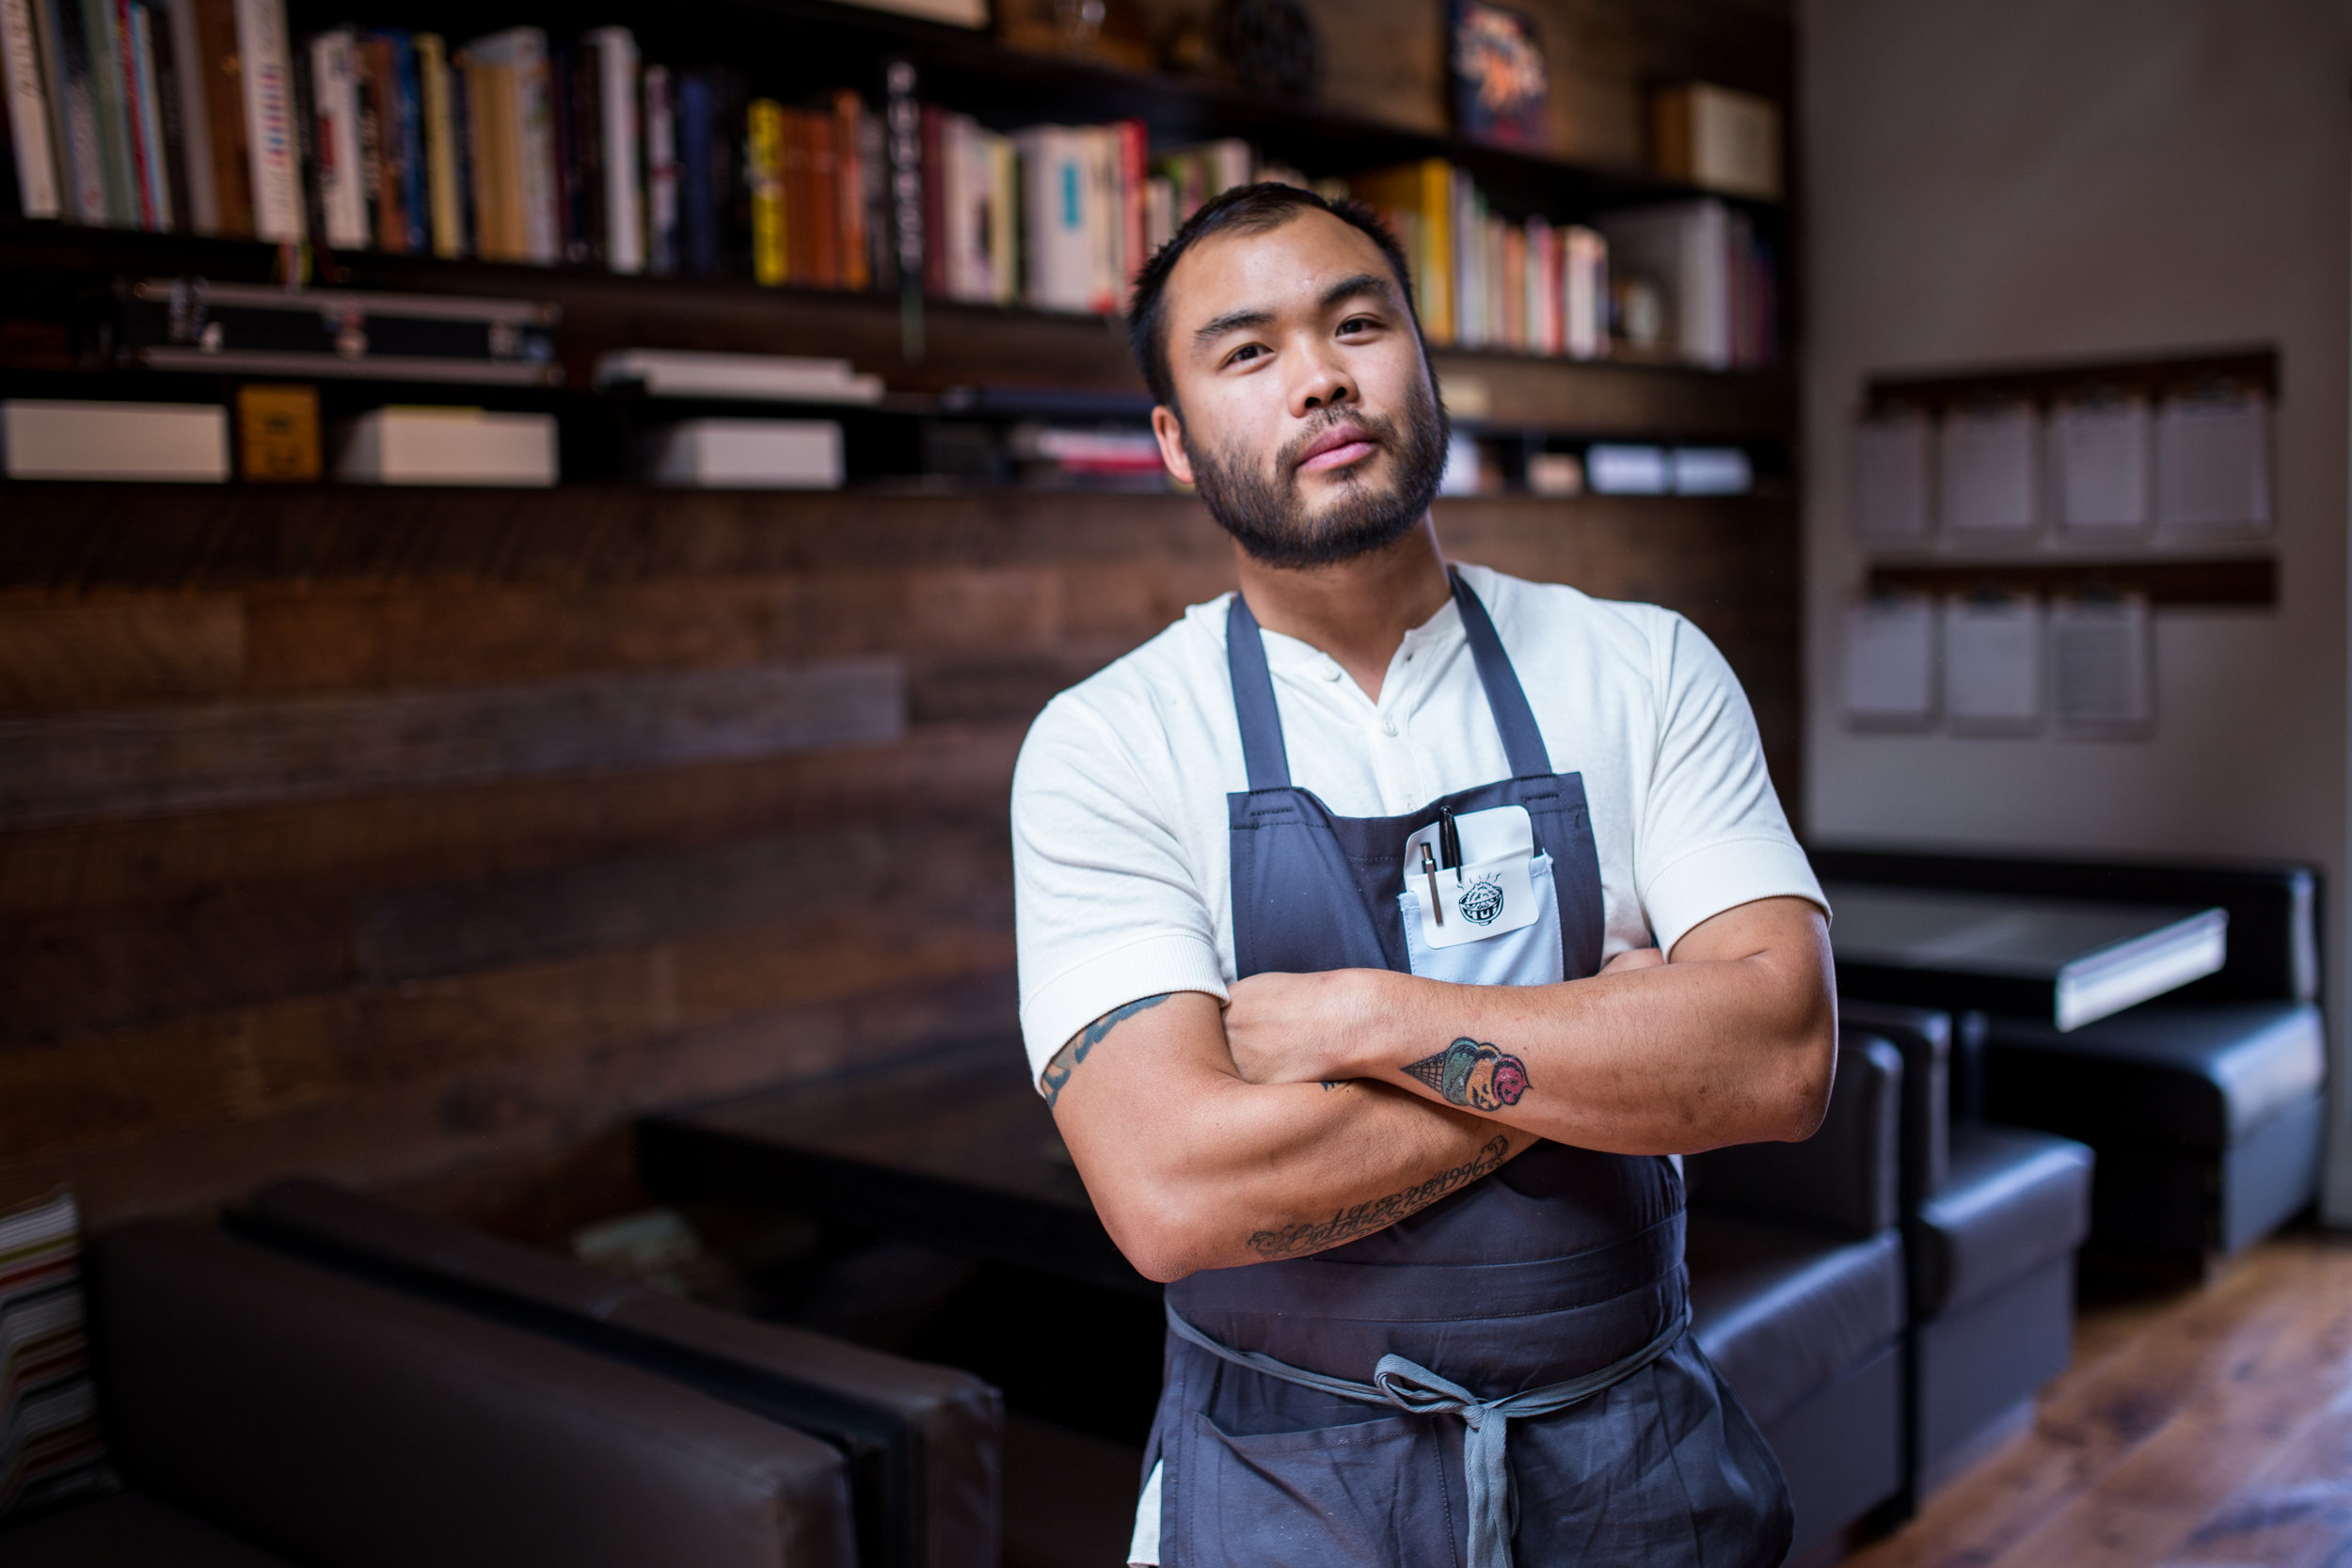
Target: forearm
[1666,1060]
[1734,1041]
[1191,1167]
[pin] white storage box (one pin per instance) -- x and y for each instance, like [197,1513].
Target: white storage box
[446,445]
[754,454]
[187,442]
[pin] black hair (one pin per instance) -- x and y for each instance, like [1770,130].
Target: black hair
[1251,210]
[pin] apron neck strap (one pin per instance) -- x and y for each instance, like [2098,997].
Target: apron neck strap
[1522,742]
[1268,759]
[1262,747]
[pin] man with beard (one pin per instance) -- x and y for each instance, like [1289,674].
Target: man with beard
[1384,928]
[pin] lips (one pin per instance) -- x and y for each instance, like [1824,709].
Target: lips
[1336,447]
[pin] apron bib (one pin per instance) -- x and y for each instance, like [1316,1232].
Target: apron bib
[1352,1407]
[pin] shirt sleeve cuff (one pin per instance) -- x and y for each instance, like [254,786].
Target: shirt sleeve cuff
[1079,995]
[1707,882]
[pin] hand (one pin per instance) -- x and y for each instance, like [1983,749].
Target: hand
[1634,958]
[1303,1028]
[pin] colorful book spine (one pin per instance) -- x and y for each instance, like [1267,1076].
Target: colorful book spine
[335,103]
[73,109]
[406,171]
[764,160]
[661,173]
[849,190]
[903,128]
[151,175]
[193,110]
[38,192]
[445,192]
[262,45]
[101,37]
[617,70]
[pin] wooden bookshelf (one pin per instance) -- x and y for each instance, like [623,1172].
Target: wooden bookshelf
[271,907]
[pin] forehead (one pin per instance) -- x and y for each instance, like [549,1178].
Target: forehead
[1268,269]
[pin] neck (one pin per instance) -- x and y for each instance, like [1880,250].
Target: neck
[1356,611]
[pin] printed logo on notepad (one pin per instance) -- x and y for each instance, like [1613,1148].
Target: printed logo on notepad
[1483,902]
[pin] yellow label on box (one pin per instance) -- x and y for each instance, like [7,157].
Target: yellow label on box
[277,433]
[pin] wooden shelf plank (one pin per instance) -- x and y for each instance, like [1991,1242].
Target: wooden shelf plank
[2248,582]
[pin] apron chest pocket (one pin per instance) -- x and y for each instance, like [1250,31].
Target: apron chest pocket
[1514,946]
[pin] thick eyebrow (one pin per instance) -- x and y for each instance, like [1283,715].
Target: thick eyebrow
[1362,283]
[1346,289]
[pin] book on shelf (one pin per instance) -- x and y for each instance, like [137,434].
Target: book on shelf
[514,147]
[1713,277]
[32,164]
[766,377]
[1496,64]
[1717,139]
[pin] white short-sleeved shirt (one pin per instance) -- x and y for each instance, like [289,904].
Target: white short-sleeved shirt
[1123,875]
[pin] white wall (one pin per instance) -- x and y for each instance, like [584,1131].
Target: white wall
[2021,181]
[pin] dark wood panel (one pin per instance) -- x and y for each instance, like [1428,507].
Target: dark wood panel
[243,1063]
[2248,583]
[63,652]
[2177,374]
[496,1108]
[243,944]
[238,753]
[964,869]
[221,536]
[1654,402]
[341,847]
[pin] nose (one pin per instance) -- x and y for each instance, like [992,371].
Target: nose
[1326,384]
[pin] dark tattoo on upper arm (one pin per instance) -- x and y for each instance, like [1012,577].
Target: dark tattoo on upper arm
[1473,1074]
[1364,1219]
[1066,1060]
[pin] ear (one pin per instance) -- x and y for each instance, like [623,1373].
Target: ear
[1169,430]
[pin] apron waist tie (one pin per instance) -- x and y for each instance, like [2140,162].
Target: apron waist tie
[1415,1389]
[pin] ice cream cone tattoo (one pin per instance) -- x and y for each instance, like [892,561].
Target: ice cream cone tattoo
[1473,1074]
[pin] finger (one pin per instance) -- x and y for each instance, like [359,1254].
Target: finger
[1635,957]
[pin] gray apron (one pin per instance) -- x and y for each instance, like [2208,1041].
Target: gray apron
[1504,1375]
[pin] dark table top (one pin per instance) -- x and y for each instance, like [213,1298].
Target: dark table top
[954,1149]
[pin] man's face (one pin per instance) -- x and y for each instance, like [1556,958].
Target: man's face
[1309,421]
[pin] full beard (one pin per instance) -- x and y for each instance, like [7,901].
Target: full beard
[1265,510]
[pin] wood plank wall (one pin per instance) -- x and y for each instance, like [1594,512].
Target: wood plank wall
[392,835]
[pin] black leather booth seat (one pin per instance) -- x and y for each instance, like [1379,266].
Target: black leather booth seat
[1992,1219]
[265,1411]
[924,1442]
[2207,1119]
[1797,1293]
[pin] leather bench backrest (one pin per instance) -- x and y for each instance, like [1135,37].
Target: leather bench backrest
[344,1426]
[1844,1178]
[2273,909]
[1924,1036]
[924,1442]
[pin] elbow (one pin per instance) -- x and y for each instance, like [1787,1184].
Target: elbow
[1160,1240]
[1809,1069]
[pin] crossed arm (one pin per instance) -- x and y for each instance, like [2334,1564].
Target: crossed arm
[1319,1108]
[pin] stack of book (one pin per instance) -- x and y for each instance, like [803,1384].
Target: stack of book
[208,115]
[1485,281]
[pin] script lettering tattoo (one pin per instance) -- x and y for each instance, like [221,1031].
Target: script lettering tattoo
[1381,1212]
[1473,1074]
[1066,1060]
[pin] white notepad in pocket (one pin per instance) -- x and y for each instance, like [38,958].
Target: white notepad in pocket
[1494,919]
